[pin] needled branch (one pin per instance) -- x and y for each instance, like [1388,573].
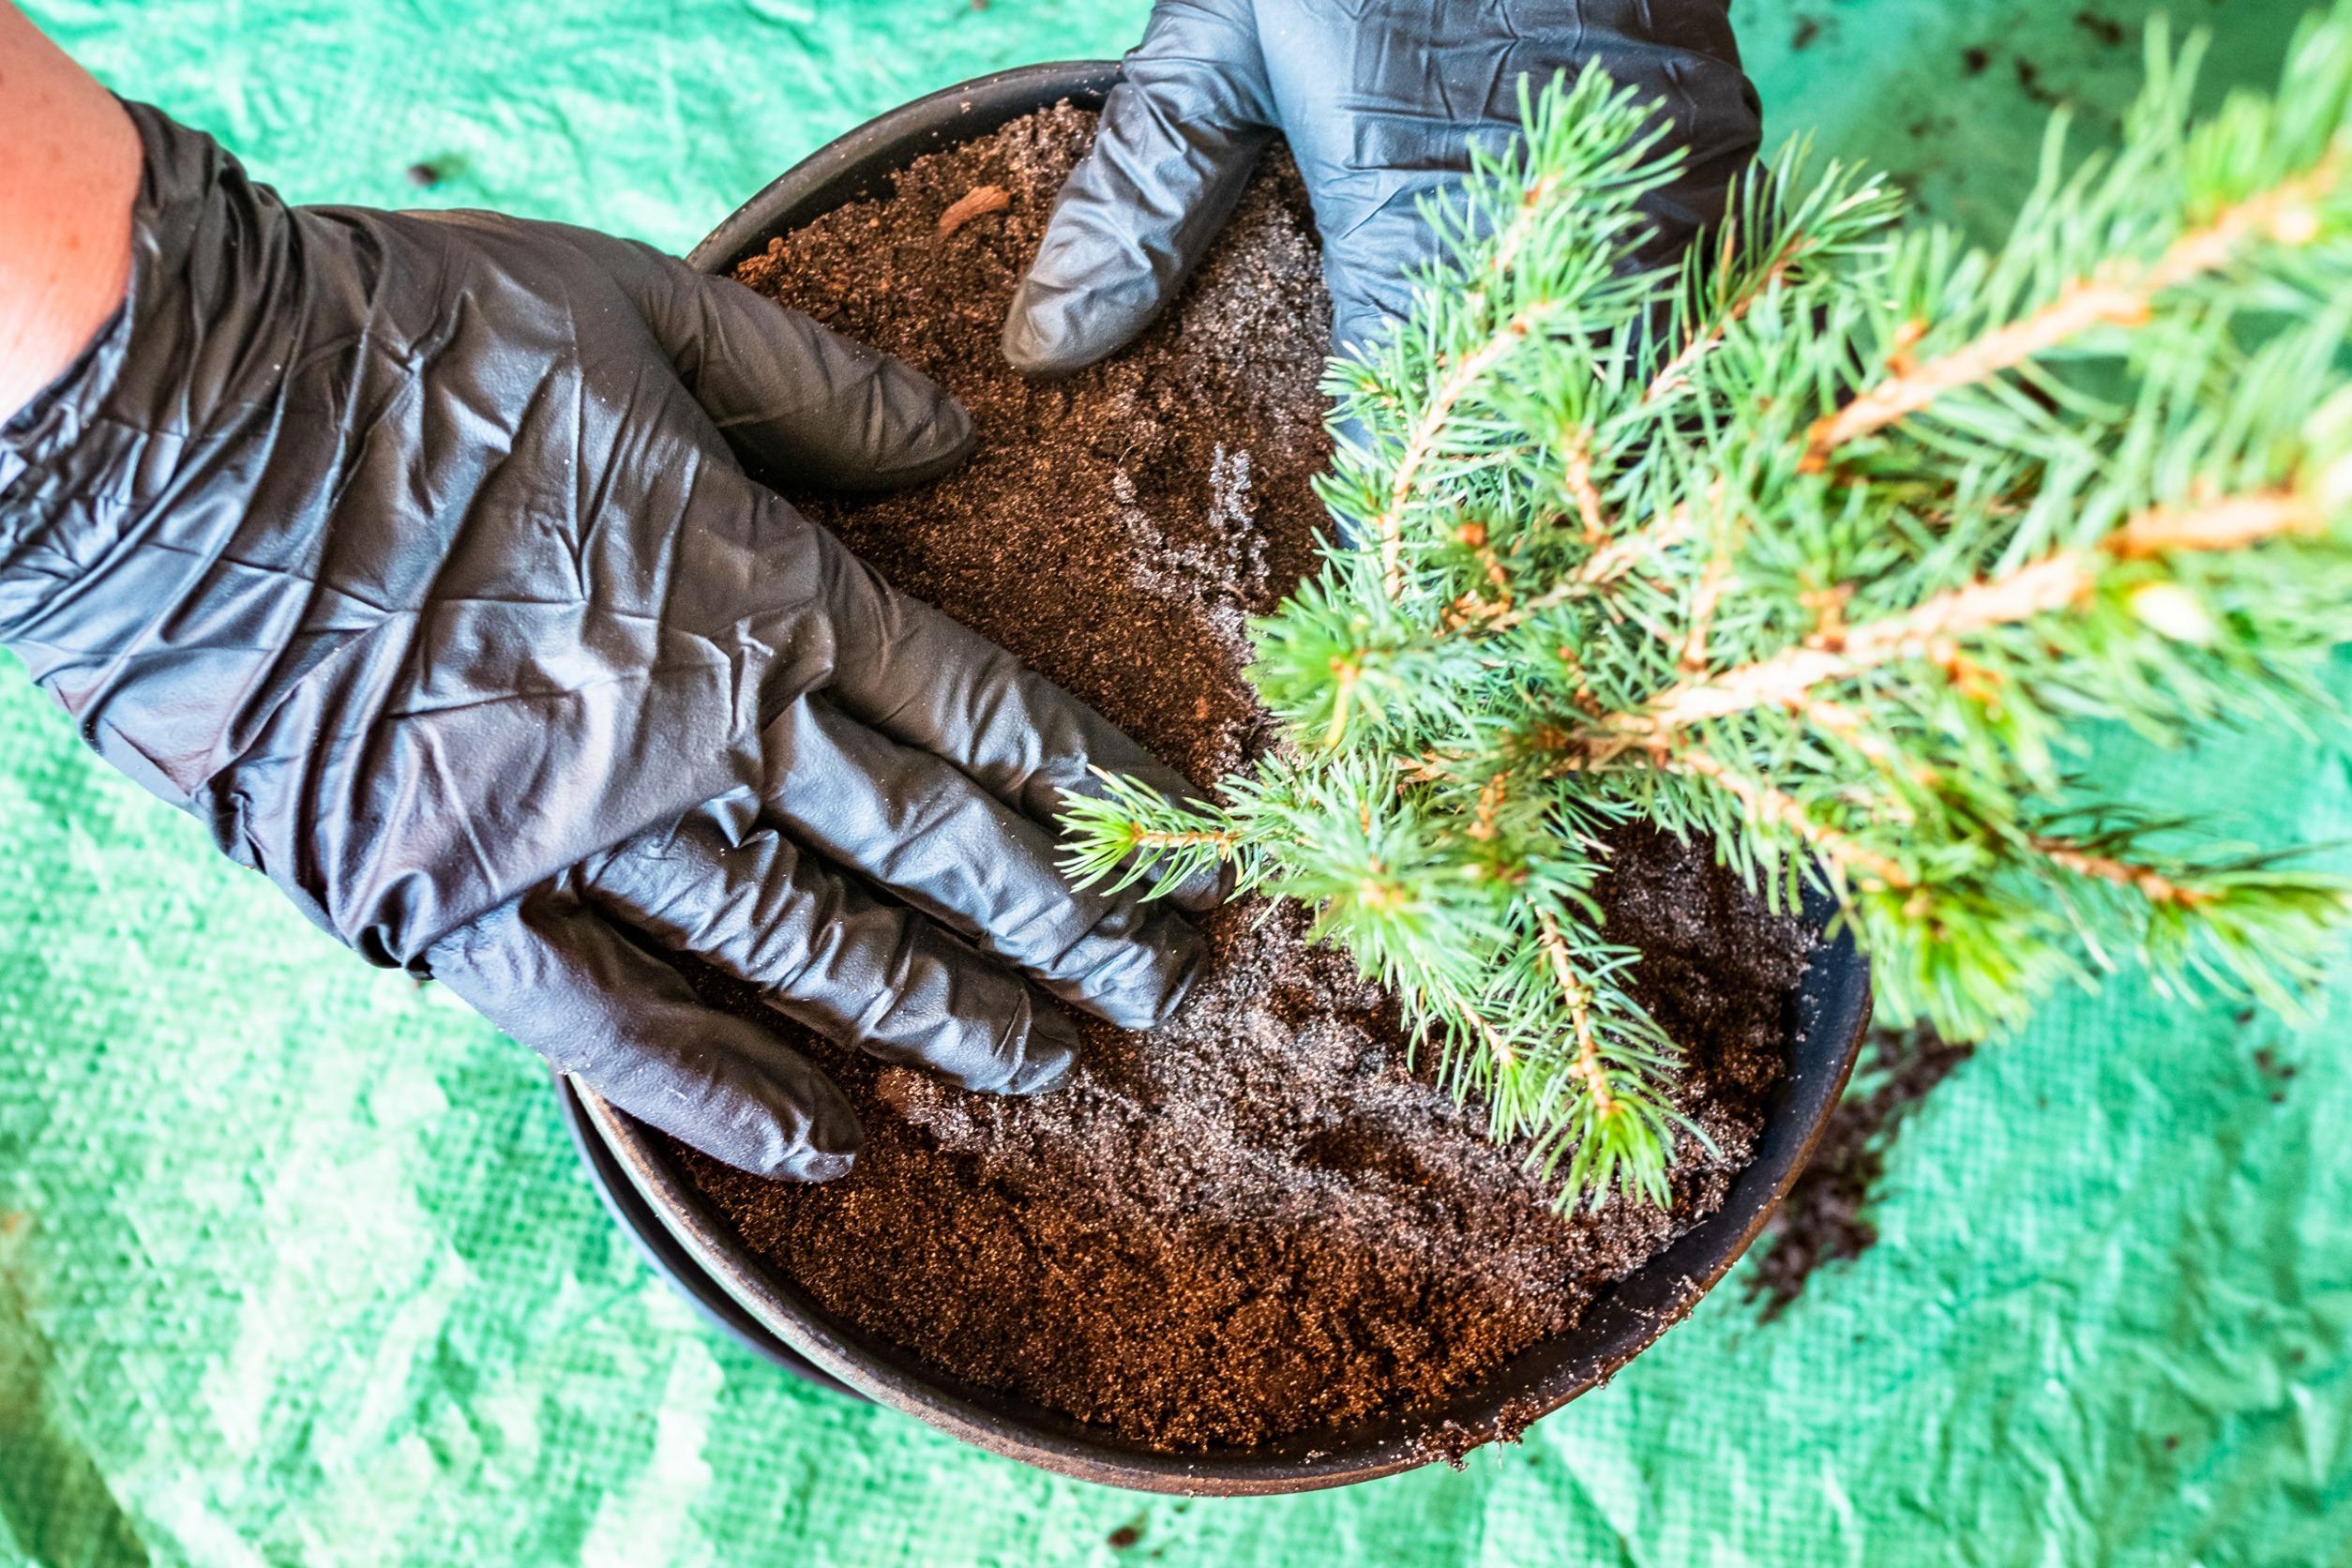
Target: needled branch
[1588,1066]
[1634,609]
[1605,566]
[1836,718]
[2286,214]
[1707,596]
[2054,583]
[1423,441]
[1345,673]
[1703,341]
[2149,884]
[1771,808]
[1422,444]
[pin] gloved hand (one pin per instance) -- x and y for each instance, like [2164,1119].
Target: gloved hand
[415,555]
[1380,100]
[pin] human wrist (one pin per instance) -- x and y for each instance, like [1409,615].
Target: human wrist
[100,446]
[65,194]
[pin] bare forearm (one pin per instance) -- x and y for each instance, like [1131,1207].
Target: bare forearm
[66,183]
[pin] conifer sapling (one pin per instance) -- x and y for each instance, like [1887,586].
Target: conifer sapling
[1837,546]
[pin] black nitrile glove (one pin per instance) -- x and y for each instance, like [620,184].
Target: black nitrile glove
[1380,100]
[415,556]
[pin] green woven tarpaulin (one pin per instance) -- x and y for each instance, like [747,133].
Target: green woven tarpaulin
[297,1266]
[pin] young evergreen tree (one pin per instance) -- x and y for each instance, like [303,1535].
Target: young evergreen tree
[1835,546]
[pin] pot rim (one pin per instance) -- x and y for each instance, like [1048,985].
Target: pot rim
[1827,1015]
[659,1247]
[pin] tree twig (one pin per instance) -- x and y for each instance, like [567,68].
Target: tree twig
[1677,369]
[2121,297]
[2149,884]
[1589,1065]
[1775,808]
[2052,584]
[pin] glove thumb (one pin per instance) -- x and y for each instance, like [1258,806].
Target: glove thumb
[1172,154]
[803,406]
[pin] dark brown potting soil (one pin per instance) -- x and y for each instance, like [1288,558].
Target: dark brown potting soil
[1260,1219]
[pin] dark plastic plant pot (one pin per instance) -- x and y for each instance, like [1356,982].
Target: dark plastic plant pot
[662,1250]
[1826,1021]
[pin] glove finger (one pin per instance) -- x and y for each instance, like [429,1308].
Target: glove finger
[1383,116]
[559,978]
[802,405]
[903,669]
[1172,151]
[826,953]
[1368,271]
[938,841]
[1369,266]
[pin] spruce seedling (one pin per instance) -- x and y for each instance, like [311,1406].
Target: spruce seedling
[1837,545]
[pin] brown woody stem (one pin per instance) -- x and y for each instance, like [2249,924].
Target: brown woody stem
[1149,840]
[2122,297]
[1785,678]
[2153,885]
[1579,1000]
[2051,583]
[1775,808]
[1588,497]
[1677,369]
[2232,523]
[1496,1045]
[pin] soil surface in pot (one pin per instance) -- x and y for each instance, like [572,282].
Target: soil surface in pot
[1259,1219]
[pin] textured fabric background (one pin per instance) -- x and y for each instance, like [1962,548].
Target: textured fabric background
[296,1266]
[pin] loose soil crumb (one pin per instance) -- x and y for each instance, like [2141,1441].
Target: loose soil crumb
[1822,1219]
[1260,1219]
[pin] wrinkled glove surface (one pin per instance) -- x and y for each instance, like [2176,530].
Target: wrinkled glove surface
[417,556]
[1380,101]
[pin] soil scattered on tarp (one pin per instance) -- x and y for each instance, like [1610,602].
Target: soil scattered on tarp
[1259,1219]
[1822,1219]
